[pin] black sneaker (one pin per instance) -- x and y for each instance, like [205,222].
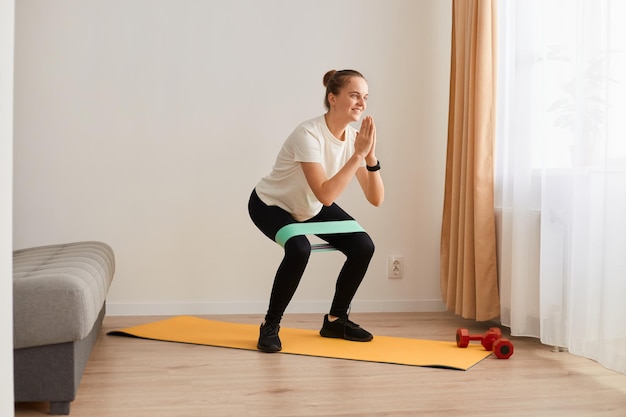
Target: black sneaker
[268,338]
[342,328]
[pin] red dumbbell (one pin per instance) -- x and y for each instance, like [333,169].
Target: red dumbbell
[492,340]
[463,337]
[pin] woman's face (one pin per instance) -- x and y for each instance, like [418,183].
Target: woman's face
[351,101]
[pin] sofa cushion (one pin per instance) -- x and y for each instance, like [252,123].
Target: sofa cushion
[58,291]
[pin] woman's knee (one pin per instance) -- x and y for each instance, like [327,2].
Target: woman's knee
[362,246]
[298,247]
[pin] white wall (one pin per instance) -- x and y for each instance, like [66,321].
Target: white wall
[7,20]
[146,124]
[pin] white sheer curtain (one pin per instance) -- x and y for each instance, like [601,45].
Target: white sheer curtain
[561,174]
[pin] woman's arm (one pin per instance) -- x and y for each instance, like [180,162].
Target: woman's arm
[372,184]
[327,190]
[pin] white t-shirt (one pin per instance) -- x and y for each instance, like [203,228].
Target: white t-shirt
[286,186]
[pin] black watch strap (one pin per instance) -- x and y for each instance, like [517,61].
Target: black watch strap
[374,168]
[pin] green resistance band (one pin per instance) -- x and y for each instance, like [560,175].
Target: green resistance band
[317,228]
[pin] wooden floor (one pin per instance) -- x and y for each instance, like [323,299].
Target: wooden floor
[129,377]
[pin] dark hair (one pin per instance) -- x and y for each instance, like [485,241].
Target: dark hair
[336,80]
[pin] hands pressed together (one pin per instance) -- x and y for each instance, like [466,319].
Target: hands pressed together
[365,142]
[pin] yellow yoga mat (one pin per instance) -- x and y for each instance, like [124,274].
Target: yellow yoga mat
[395,350]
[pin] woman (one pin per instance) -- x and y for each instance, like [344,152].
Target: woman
[314,166]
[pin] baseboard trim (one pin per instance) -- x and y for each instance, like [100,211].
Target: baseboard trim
[259,307]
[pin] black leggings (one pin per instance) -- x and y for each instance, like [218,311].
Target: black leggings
[357,246]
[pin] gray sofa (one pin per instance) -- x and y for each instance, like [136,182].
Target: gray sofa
[59,294]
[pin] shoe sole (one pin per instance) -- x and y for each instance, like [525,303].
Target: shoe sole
[269,349]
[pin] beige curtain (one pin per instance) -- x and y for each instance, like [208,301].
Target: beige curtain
[469,276]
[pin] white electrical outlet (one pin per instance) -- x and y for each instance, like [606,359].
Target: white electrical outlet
[395,267]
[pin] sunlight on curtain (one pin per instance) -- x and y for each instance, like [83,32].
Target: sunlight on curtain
[469,276]
[561,174]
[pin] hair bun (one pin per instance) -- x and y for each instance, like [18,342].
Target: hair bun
[328,76]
